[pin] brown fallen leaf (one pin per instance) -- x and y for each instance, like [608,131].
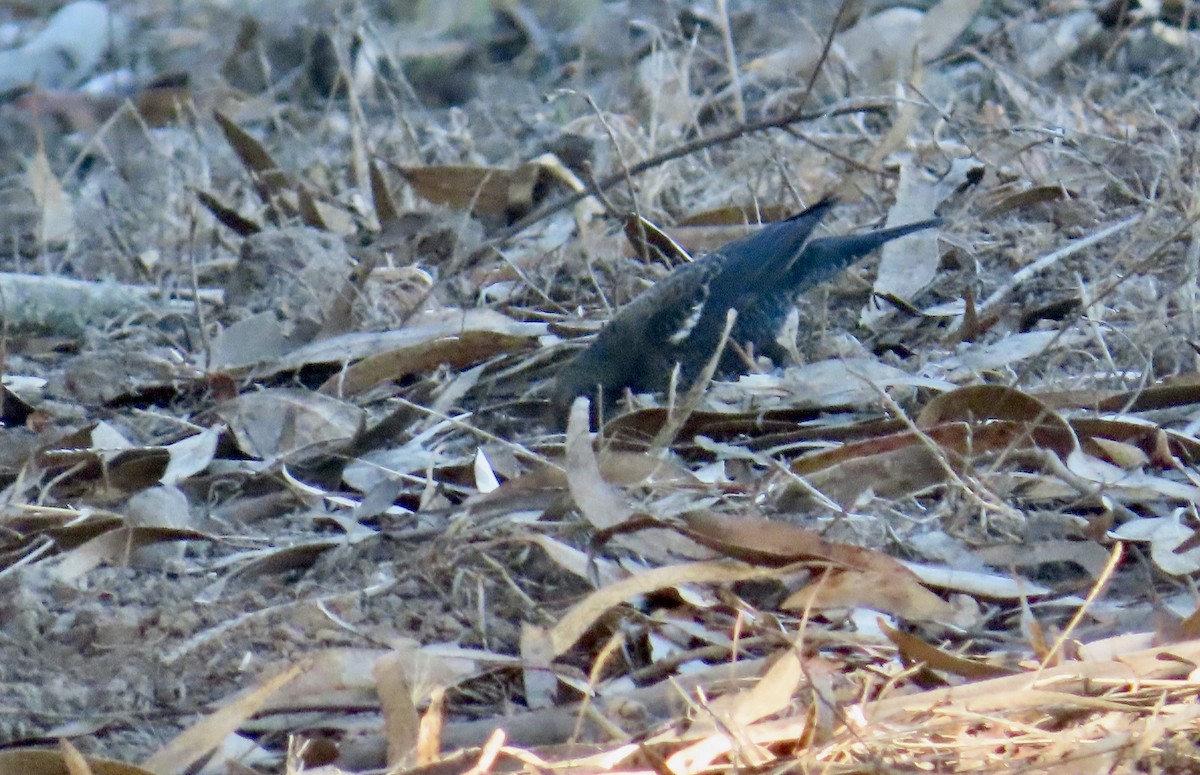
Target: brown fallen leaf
[485,191]
[401,722]
[899,594]
[458,351]
[913,650]
[772,542]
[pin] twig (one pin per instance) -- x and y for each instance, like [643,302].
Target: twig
[676,417]
[678,152]
[735,81]
[1050,259]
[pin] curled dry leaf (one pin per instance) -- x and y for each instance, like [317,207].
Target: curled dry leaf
[979,403]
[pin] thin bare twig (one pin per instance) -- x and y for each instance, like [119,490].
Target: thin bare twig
[678,152]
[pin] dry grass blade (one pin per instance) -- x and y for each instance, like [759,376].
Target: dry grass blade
[197,741]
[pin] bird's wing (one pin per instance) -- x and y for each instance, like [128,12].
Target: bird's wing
[758,263]
[674,307]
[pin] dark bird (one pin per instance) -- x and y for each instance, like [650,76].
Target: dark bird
[680,319]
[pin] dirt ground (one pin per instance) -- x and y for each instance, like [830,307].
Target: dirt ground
[282,460]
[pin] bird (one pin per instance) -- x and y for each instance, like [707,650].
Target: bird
[678,322]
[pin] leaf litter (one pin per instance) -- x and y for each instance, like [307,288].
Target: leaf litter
[294,500]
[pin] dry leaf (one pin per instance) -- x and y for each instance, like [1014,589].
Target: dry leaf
[486,191]
[289,424]
[460,351]
[537,674]
[913,650]
[600,503]
[194,743]
[57,210]
[898,594]
[44,761]
[400,720]
[583,615]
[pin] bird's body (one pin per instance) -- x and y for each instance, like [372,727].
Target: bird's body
[680,319]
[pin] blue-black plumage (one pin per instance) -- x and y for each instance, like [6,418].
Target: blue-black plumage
[680,319]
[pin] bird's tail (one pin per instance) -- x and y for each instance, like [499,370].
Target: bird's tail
[822,258]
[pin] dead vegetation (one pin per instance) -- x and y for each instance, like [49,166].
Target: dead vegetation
[281,489]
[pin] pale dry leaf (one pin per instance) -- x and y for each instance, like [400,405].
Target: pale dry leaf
[345,677]
[291,424]
[75,762]
[253,340]
[161,506]
[57,209]
[942,25]
[1130,486]
[664,79]
[419,454]
[770,694]
[433,722]
[976,583]
[485,477]
[835,382]
[601,504]
[1127,456]
[1043,46]
[907,265]
[191,455]
[66,50]
[877,48]
[108,441]
[1013,348]
[537,674]
[116,546]
[1165,535]
[579,563]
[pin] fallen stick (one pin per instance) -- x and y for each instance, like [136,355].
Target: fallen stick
[67,307]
